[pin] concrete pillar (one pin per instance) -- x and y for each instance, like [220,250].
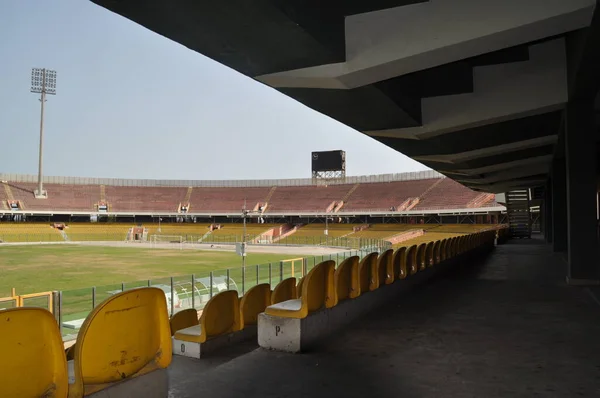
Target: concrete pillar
[559,205]
[580,150]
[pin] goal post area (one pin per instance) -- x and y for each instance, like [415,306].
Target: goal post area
[167,239]
[296,266]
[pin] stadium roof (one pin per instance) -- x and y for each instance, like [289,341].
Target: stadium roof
[472,88]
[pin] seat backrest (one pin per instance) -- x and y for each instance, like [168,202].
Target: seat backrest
[346,280]
[437,257]
[221,314]
[285,290]
[367,269]
[299,287]
[443,249]
[253,303]
[183,319]
[33,357]
[318,288]
[429,256]
[385,273]
[412,265]
[452,249]
[127,335]
[399,263]
[422,256]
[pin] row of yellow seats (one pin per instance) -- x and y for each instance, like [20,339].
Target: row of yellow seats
[323,286]
[126,336]
[224,313]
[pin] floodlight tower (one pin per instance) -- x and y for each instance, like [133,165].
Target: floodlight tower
[43,81]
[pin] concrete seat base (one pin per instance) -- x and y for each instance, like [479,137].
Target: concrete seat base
[297,335]
[194,349]
[151,385]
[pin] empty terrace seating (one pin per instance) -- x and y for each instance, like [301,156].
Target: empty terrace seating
[226,200]
[385,195]
[144,199]
[448,194]
[225,319]
[325,306]
[308,199]
[71,197]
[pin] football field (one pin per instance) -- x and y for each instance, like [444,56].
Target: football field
[36,268]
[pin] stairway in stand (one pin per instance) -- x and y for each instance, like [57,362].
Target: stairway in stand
[517,209]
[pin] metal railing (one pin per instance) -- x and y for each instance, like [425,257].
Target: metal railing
[192,290]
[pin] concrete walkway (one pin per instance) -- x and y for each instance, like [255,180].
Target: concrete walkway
[507,328]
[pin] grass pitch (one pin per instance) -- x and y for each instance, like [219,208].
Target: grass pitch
[32,269]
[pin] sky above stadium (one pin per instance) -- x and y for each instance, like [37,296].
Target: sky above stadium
[133,104]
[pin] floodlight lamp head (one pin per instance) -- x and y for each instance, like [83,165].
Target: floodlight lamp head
[43,81]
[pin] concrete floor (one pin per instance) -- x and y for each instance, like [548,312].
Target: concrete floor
[509,327]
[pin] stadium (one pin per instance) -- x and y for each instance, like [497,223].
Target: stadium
[478,277]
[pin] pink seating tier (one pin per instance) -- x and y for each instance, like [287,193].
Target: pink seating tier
[384,195]
[60,197]
[448,194]
[309,198]
[226,199]
[144,199]
[368,196]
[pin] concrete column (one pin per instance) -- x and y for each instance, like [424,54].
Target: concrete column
[580,150]
[559,205]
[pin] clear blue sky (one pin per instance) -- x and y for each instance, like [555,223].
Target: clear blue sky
[131,103]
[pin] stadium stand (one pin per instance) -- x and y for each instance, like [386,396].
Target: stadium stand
[34,362]
[64,197]
[385,196]
[316,198]
[144,199]
[226,199]
[367,196]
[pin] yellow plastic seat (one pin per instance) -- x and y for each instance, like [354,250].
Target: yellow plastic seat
[183,319]
[285,290]
[367,271]
[399,263]
[299,287]
[429,255]
[437,256]
[385,268]
[346,282]
[422,256]
[126,336]
[444,249]
[253,303]
[411,260]
[221,315]
[317,292]
[34,362]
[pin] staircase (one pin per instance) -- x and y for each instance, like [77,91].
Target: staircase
[102,193]
[186,201]
[340,203]
[435,184]
[480,200]
[268,198]
[10,197]
[517,209]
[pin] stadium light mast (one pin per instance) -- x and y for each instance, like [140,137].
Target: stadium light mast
[43,81]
